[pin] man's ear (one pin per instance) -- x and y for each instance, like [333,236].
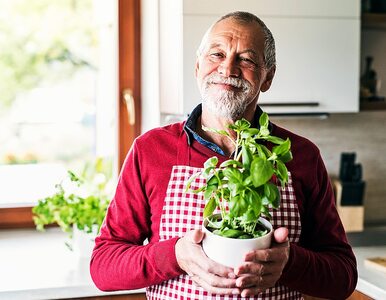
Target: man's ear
[268,79]
[197,66]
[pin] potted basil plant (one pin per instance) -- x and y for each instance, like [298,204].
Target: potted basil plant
[242,189]
[78,205]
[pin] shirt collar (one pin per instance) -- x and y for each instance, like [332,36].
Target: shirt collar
[190,127]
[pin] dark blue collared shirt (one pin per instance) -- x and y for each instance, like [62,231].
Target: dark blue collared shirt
[191,131]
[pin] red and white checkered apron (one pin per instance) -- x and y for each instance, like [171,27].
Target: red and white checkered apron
[182,212]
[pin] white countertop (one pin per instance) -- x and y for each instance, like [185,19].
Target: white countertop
[38,265]
[371,281]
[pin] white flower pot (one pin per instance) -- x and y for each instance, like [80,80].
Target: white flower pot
[83,243]
[229,251]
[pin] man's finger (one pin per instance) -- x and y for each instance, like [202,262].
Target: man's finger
[280,235]
[195,236]
[214,289]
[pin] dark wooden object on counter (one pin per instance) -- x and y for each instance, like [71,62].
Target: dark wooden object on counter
[359,296]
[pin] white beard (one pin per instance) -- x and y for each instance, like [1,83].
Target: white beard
[224,103]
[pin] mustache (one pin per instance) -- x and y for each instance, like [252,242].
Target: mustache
[236,82]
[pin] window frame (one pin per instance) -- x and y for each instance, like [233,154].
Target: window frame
[129,66]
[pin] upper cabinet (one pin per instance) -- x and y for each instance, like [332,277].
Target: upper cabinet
[317,45]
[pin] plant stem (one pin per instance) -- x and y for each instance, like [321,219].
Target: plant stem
[221,205]
[236,143]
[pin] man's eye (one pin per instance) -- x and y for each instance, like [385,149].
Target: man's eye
[216,54]
[247,60]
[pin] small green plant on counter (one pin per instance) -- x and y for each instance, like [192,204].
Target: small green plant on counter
[243,187]
[79,200]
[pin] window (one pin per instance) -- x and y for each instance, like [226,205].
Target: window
[58,91]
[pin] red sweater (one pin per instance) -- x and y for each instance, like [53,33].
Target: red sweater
[322,264]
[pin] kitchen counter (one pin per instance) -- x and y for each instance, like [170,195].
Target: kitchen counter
[371,281]
[38,265]
[370,243]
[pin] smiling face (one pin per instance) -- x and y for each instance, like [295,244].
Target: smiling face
[230,69]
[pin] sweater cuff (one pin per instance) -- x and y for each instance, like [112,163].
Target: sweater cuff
[166,260]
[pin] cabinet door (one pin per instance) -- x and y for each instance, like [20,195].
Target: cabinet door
[317,62]
[284,8]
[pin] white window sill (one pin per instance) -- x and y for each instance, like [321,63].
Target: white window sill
[38,265]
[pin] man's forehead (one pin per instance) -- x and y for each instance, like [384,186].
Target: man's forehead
[228,30]
[219,44]
[236,27]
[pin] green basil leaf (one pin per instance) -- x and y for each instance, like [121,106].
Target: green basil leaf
[250,216]
[236,207]
[211,162]
[232,233]
[266,212]
[209,207]
[286,157]
[260,151]
[274,139]
[247,181]
[282,148]
[263,120]
[221,132]
[264,131]
[256,202]
[240,125]
[263,151]
[282,172]
[233,175]
[231,163]
[272,194]
[209,191]
[261,171]
[250,132]
[212,181]
[246,157]
[190,181]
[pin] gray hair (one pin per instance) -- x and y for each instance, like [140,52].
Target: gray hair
[246,18]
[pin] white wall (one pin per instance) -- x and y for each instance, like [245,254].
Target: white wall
[150,64]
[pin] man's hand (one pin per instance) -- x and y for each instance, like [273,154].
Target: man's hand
[263,268]
[213,277]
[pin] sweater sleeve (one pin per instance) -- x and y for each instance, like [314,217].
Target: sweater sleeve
[322,264]
[120,260]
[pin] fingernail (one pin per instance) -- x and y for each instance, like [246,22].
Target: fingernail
[239,282]
[232,275]
[236,292]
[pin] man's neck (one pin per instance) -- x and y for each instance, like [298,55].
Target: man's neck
[208,120]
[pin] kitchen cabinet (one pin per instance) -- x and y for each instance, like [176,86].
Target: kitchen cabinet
[317,44]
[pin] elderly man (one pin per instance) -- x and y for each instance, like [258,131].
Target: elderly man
[309,255]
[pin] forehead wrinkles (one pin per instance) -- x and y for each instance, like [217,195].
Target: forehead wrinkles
[232,34]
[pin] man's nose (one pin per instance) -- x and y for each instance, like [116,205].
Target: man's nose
[229,68]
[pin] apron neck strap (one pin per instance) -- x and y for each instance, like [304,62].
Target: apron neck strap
[183,150]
